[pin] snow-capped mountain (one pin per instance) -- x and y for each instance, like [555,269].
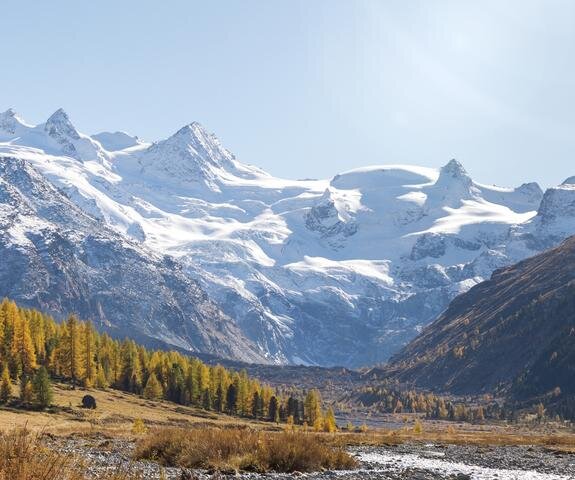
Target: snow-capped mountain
[342,271]
[56,257]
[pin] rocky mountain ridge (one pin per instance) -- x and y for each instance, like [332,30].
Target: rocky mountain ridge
[58,258]
[342,271]
[513,334]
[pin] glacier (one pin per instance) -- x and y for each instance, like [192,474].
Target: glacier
[341,271]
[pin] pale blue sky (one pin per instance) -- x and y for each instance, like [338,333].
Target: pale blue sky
[311,88]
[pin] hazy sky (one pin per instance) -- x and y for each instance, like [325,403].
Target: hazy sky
[311,88]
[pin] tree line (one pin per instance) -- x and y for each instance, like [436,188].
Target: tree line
[34,349]
[388,399]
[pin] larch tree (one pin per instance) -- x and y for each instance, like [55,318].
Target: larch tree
[22,347]
[33,347]
[89,347]
[71,350]
[153,389]
[313,407]
[5,385]
[329,424]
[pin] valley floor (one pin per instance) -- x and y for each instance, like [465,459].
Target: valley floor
[409,461]
[105,440]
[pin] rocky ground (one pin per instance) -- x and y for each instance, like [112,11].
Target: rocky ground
[415,461]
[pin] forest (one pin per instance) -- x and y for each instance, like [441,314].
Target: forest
[35,350]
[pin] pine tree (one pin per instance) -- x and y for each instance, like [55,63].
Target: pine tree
[5,385]
[256,405]
[232,399]
[479,414]
[38,332]
[207,400]
[153,389]
[219,400]
[176,384]
[42,388]
[273,412]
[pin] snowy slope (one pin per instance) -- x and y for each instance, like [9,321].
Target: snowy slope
[57,258]
[339,271]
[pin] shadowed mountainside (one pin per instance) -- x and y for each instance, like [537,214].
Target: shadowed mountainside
[514,332]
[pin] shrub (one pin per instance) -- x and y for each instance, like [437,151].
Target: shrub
[418,427]
[24,457]
[139,427]
[243,449]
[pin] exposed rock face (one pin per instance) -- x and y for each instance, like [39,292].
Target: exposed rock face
[73,144]
[516,330]
[8,121]
[332,272]
[57,258]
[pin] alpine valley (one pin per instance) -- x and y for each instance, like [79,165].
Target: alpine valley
[178,243]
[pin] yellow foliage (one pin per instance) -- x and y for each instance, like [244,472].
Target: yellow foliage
[418,427]
[139,427]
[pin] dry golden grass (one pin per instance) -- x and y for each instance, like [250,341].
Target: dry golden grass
[24,457]
[114,415]
[117,412]
[243,450]
[488,437]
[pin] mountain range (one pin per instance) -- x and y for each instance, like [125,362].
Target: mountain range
[178,242]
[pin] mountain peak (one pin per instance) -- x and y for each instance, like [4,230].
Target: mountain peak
[195,142]
[9,121]
[10,113]
[71,142]
[59,124]
[58,116]
[454,174]
[569,181]
[453,169]
[194,132]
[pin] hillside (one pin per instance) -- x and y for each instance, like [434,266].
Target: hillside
[115,413]
[33,348]
[514,333]
[341,271]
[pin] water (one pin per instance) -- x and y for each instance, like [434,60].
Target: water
[432,461]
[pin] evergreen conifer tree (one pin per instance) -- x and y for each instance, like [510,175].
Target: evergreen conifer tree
[42,388]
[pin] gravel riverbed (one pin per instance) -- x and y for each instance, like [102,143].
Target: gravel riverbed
[414,461]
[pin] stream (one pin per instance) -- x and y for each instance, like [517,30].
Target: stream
[397,463]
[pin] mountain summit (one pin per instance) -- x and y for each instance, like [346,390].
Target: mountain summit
[331,272]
